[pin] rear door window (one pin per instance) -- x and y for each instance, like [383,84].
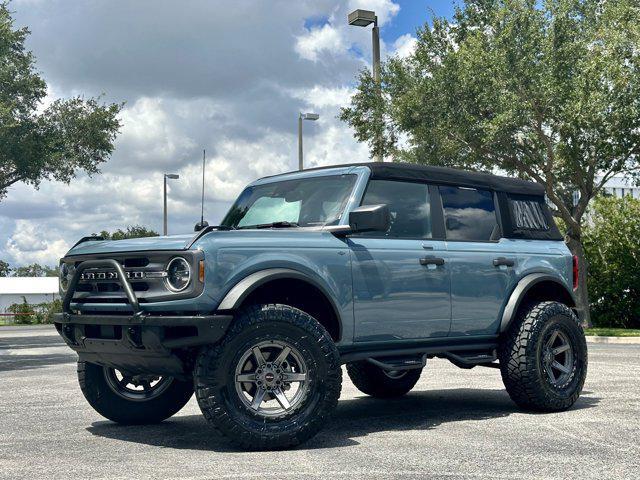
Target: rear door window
[469,214]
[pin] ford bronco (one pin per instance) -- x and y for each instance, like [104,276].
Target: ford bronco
[377,266]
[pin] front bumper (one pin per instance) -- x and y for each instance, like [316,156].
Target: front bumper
[139,343]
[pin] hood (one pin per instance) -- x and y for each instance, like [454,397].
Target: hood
[173,242]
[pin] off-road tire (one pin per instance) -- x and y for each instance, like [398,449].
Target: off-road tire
[372,380]
[129,412]
[214,378]
[521,358]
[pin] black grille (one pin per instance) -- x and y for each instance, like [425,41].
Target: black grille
[144,272]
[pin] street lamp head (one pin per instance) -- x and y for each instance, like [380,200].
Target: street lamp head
[362,18]
[310,116]
[172,176]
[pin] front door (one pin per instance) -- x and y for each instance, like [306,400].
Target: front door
[401,284]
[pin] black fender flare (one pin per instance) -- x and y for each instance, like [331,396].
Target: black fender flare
[520,291]
[241,290]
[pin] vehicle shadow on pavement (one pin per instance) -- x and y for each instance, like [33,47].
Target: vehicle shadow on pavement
[29,352]
[424,410]
[353,418]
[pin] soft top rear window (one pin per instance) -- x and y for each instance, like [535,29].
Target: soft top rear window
[528,214]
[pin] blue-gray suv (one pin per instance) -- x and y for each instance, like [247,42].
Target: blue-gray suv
[378,266]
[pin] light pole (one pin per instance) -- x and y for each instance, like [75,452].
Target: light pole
[301,117]
[363,18]
[172,176]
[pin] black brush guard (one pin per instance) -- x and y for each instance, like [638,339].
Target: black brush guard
[137,341]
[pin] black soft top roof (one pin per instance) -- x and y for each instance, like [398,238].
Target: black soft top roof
[450,176]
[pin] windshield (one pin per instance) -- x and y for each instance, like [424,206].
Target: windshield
[304,202]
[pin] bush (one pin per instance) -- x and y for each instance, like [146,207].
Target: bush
[23,312]
[611,241]
[37,313]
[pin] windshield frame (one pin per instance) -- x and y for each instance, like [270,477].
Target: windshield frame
[351,199]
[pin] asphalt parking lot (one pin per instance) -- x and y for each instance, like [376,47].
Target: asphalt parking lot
[455,424]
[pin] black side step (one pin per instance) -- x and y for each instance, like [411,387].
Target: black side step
[400,363]
[432,348]
[472,359]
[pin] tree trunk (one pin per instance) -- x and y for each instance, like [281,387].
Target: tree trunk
[574,242]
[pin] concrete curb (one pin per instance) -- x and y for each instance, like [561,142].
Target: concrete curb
[624,340]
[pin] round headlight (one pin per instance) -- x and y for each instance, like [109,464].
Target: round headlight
[178,274]
[64,277]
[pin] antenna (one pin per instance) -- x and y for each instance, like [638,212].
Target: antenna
[204,153]
[202,224]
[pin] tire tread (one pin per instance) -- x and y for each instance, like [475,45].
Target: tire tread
[213,407]
[519,367]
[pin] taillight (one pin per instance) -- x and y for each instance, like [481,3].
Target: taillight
[576,271]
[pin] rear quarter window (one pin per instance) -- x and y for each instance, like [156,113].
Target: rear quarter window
[528,213]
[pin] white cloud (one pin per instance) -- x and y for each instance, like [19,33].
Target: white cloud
[314,42]
[150,134]
[26,245]
[322,96]
[404,45]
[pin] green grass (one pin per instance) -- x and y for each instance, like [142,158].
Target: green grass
[612,332]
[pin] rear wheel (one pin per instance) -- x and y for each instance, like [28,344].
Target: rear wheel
[132,398]
[373,380]
[543,358]
[273,381]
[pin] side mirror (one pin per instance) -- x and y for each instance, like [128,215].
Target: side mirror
[370,218]
[200,225]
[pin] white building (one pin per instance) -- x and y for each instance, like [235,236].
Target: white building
[618,186]
[34,289]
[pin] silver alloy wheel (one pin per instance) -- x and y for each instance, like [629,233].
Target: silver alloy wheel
[138,388]
[271,378]
[395,374]
[557,358]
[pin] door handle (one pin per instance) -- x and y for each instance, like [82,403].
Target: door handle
[508,262]
[430,260]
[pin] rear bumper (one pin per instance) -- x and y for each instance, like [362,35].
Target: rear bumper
[140,343]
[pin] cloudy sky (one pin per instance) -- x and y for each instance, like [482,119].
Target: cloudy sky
[229,76]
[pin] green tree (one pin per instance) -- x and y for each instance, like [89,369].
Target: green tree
[132,231]
[5,269]
[52,143]
[35,270]
[548,91]
[612,246]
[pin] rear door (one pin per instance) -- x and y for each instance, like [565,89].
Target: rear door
[401,277]
[482,267]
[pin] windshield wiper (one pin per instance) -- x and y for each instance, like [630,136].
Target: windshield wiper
[283,224]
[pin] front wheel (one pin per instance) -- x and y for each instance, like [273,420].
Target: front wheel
[543,358]
[273,381]
[132,398]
